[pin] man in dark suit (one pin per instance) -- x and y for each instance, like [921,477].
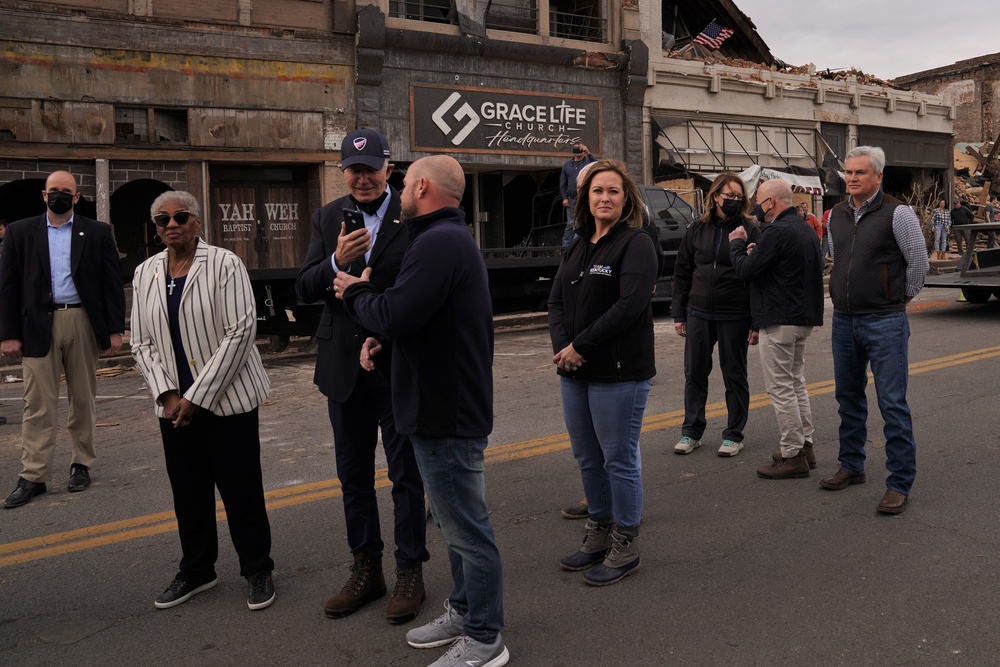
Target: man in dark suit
[360,401]
[61,303]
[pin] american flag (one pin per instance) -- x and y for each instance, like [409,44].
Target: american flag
[713,36]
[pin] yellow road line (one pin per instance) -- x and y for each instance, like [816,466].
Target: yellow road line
[91,537]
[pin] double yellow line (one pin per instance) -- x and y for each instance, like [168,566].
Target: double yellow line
[91,537]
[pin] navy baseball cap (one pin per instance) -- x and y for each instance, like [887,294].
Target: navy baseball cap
[364,146]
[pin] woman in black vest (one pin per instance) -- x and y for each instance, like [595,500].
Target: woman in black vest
[601,324]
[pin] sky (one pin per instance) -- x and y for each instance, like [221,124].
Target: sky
[884,38]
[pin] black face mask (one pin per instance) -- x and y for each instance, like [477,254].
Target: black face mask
[59,202]
[731,207]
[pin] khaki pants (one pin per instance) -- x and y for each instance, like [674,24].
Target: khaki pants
[782,358]
[74,351]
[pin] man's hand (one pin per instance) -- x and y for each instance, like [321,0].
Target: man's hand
[753,338]
[750,247]
[345,280]
[350,247]
[738,233]
[184,412]
[11,348]
[565,203]
[681,328]
[369,349]
[116,345]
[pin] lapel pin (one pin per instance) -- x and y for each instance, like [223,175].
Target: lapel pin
[395,222]
[81,233]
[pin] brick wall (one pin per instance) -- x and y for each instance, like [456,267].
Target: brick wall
[173,174]
[16,170]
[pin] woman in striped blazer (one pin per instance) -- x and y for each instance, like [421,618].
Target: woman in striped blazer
[193,326]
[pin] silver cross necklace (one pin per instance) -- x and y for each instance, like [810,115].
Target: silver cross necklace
[171,285]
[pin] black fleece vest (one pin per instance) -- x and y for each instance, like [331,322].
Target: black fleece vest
[869,269]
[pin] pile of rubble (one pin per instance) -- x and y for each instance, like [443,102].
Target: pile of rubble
[808,69]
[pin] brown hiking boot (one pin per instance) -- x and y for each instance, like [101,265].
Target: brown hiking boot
[841,480]
[365,584]
[407,596]
[786,468]
[810,455]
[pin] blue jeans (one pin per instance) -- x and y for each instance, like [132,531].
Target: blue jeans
[940,238]
[879,339]
[603,420]
[452,470]
[569,234]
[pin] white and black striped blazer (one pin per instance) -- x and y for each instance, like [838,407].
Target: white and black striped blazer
[218,322]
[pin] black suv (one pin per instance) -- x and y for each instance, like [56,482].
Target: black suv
[671,215]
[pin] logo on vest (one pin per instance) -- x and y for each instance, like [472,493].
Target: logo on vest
[600,270]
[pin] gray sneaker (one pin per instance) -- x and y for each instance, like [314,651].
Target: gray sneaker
[444,629]
[686,445]
[468,651]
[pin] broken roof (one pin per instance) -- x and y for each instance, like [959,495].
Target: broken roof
[686,18]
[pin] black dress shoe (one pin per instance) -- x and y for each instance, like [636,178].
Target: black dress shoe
[23,493]
[79,477]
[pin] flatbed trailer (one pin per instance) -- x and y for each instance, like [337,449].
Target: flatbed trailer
[978,274]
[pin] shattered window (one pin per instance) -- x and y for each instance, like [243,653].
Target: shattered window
[433,11]
[585,20]
[171,126]
[513,15]
[131,125]
[578,19]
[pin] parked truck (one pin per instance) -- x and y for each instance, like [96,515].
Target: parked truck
[978,274]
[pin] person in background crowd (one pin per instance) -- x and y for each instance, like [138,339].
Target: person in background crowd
[62,301]
[711,304]
[941,221]
[786,296]
[601,325]
[991,216]
[194,321]
[567,186]
[359,401]
[824,247]
[812,220]
[881,266]
[439,315]
[961,215]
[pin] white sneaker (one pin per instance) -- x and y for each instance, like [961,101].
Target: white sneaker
[730,448]
[686,445]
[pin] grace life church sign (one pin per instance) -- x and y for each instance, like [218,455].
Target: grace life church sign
[482,120]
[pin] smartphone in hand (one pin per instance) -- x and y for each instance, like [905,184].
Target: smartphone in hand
[353,221]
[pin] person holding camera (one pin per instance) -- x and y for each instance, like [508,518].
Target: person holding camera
[567,186]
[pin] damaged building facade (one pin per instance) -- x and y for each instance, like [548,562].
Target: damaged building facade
[241,103]
[723,112]
[973,87]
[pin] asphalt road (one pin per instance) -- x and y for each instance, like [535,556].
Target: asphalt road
[735,570]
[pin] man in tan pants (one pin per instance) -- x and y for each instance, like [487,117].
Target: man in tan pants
[785,270]
[61,303]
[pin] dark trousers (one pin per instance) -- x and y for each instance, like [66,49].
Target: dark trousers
[355,431]
[221,452]
[702,335]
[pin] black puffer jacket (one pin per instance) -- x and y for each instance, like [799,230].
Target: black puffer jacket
[704,278]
